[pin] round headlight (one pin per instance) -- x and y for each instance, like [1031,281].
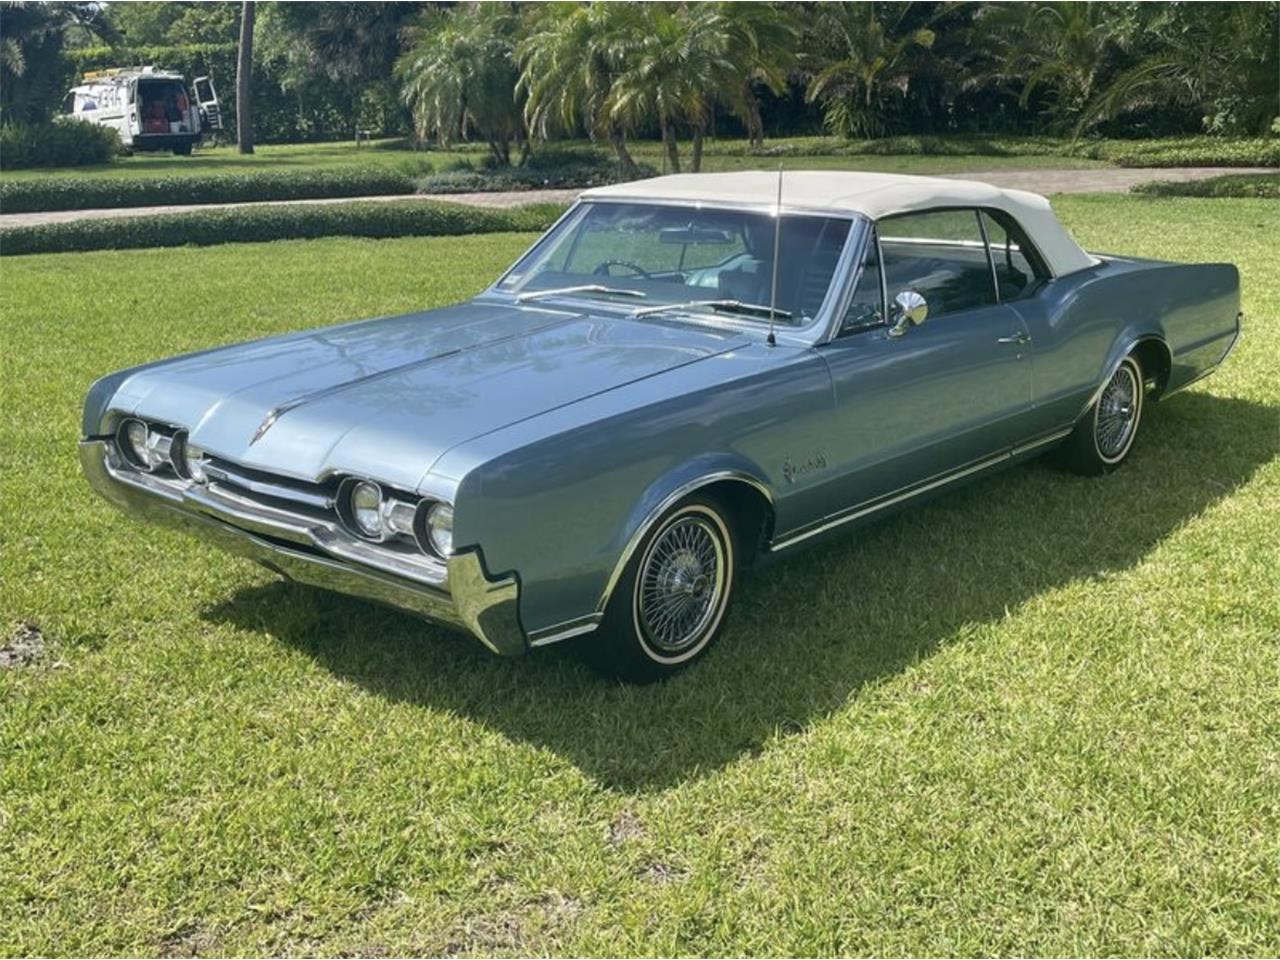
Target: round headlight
[440,528]
[136,444]
[366,508]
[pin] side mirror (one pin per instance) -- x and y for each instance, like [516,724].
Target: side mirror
[909,310]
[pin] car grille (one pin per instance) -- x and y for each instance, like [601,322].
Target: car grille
[307,499]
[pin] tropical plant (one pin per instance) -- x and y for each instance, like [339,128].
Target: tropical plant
[461,74]
[570,59]
[870,53]
[1056,56]
[1221,59]
[763,40]
[34,74]
[671,72]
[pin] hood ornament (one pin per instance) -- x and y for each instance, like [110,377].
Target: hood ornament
[267,423]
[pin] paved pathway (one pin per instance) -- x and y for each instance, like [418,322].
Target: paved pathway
[1095,180]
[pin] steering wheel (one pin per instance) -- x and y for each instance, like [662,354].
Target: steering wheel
[605,268]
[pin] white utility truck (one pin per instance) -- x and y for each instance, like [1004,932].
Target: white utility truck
[151,109]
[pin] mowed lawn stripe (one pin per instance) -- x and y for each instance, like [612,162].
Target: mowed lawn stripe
[1039,715]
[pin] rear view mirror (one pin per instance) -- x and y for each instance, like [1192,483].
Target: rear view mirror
[909,310]
[686,235]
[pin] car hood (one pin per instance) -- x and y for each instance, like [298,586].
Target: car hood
[385,398]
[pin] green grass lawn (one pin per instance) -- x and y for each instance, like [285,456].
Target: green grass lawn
[272,158]
[1040,715]
[723,155]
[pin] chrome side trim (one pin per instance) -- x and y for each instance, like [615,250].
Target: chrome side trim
[1041,442]
[459,594]
[888,500]
[906,493]
[564,630]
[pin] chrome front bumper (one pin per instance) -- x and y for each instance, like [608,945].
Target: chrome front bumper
[458,594]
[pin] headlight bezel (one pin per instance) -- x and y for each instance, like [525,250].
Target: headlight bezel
[425,522]
[348,512]
[155,446]
[428,532]
[187,459]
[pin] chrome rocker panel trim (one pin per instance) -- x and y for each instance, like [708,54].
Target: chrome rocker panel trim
[794,537]
[459,595]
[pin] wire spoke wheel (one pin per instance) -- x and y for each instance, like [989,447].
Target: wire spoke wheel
[1117,413]
[681,586]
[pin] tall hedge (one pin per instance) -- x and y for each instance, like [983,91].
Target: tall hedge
[63,143]
[86,193]
[396,218]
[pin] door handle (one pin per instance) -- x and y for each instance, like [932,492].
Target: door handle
[1016,338]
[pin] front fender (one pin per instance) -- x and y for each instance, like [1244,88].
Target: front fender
[672,487]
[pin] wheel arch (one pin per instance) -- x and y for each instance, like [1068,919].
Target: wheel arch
[747,497]
[1149,348]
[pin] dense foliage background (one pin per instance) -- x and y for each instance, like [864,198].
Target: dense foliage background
[507,74]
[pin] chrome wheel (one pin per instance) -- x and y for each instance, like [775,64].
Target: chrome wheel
[1118,409]
[681,585]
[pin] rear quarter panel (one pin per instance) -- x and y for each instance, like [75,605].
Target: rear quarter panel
[1083,323]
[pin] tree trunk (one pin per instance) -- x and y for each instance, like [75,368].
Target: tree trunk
[244,65]
[755,123]
[669,142]
[618,141]
[695,159]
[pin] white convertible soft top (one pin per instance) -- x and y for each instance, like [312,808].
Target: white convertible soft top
[873,195]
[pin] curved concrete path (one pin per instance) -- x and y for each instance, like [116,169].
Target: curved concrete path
[1046,181]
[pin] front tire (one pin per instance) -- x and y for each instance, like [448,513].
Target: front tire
[670,603]
[1104,437]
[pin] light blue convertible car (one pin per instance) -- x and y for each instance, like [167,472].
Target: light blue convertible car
[683,375]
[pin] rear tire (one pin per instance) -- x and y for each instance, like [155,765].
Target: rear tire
[182,150]
[669,605]
[1104,437]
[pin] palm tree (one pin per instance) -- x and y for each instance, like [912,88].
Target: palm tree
[1221,58]
[870,66]
[763,40]
[1064,49]
[460,73]
[672,72]
[33,72]
[569,63]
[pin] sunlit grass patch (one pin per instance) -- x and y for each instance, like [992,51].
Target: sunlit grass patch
[1038,716]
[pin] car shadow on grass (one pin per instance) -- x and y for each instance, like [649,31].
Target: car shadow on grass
[808,634]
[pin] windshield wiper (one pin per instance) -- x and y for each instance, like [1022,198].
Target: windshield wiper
[728,306]
[581,288]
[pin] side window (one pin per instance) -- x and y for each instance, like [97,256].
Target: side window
[866,309]
[1019,269]
[941,256]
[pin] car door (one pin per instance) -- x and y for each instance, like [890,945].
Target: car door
[916,402]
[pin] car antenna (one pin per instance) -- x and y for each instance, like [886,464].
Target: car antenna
[773,280]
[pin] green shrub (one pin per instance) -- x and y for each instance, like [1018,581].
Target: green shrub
[82,193]
[1166,152]
[62,143]
[1258,186]
[548,169]
[283,222]
[1188,152]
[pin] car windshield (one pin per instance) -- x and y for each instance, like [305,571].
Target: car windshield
[651,255]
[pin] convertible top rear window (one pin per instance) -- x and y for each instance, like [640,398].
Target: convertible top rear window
[661,254]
